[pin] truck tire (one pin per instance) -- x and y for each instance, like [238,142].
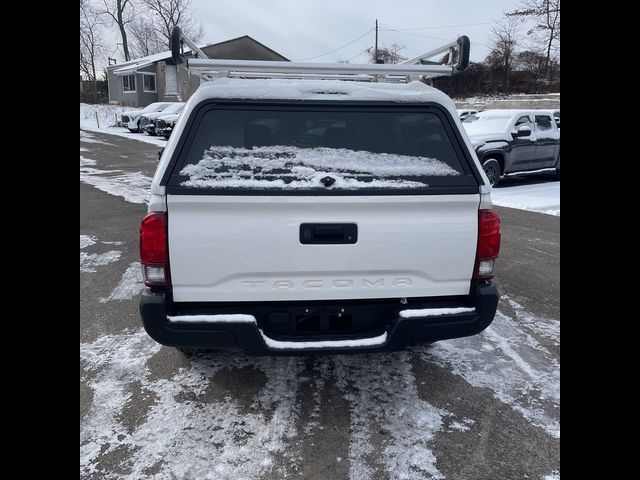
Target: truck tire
[492,168]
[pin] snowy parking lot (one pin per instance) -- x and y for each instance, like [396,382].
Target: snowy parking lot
[482,407]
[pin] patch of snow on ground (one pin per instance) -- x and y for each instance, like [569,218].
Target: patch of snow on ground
[130,285]
[555,475]
[459,426]
[521,372]
[86,161]
[305,167]
[194,429]
[538,197]
[89,261]
[545,327]
[382,393]
[134,187]
[86,240]
[184,434]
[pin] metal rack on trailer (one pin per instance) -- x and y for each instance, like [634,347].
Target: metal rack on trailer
[454,61]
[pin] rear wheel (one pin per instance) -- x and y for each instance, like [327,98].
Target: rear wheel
[492,168]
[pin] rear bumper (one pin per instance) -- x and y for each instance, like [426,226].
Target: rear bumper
[476,314]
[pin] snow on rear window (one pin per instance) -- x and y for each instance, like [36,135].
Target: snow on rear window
[312,148]
[294,167]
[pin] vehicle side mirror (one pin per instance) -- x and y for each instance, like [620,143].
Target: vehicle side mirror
[523,131]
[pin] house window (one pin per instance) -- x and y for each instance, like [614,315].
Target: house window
[129,83]
[149,83]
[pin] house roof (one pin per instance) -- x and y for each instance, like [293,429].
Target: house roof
[133,66]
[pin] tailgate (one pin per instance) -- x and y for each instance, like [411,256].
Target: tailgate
[249,248]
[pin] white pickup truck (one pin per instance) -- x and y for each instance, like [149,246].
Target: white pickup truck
[305,216]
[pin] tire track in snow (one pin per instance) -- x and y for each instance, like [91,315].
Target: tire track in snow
[384,403]
[518,369]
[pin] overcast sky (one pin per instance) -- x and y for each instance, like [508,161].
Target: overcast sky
[300,29]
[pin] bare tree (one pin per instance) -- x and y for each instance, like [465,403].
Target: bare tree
[144,38]
[91,43]
[504,38]
[386,55]
[547,28]
[171,13]
[533,63]
[119,14]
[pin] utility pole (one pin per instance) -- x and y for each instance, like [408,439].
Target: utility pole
[376,50]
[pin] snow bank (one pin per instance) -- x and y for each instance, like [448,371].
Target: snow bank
[539,197]
[293,167]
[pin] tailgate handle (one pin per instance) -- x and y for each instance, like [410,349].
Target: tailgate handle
[328,233]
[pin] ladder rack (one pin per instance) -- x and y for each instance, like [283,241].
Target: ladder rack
[455,60]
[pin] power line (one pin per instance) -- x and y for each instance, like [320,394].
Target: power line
[444,26]
[431,37]
[414,34]
[366,50]
[339,48]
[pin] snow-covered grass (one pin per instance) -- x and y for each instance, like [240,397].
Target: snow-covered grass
[538,197]
[107,119]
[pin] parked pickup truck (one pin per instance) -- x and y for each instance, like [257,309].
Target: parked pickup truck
[514,141]
[312,215]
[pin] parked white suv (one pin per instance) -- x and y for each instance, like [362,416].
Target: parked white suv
[131,118]
[148,121]
[295,216]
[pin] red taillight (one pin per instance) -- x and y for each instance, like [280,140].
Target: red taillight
[154,254]
[488,244]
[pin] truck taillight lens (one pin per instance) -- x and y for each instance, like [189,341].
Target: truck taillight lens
[488,244]
[154,254]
